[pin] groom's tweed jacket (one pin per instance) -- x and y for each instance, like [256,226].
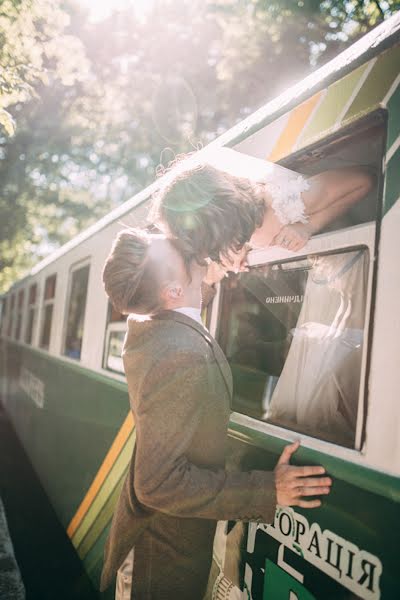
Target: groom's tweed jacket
[180,387]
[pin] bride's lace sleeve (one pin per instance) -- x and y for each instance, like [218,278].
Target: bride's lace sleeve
[287,202]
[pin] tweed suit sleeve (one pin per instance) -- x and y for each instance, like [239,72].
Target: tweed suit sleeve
[168,409]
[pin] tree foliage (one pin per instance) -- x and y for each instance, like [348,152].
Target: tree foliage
[98,105]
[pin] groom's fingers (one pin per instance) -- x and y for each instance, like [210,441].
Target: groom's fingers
[287,453]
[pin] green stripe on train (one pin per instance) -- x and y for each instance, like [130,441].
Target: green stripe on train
[365,478]
[102,520]
[71,435]
[392,186]
[377,84]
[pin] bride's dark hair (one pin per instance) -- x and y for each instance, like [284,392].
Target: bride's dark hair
[209,211]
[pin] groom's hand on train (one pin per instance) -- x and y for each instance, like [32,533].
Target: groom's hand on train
[294,484]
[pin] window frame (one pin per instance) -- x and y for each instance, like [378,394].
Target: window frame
[348,239]
[73,268]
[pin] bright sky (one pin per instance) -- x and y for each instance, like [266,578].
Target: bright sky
[98,9]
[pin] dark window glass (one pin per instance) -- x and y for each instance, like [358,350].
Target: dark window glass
[50,287]
[32,294]
[76,312]
[10,325]
[18,328]
[46,329]
[20,299]
[11,316]
[31,313]
[29,325]
[294,333]
[48,298]
[3,316]
[21,295]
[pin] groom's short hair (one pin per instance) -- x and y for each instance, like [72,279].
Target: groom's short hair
[131,280]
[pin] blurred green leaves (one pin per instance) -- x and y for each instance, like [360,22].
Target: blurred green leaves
[88,110]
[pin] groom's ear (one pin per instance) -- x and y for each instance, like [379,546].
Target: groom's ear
[172,292]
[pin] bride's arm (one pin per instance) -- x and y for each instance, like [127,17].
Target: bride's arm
[332,193]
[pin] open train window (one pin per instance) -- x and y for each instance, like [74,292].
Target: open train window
[76,311]
[359,144]
[293,333]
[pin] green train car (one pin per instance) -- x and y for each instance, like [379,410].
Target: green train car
[313,339]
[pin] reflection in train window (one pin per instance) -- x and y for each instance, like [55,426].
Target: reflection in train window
[76,312]
[293,333]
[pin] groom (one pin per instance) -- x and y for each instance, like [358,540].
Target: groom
[180,389]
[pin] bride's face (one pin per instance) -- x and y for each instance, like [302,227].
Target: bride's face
[236,261]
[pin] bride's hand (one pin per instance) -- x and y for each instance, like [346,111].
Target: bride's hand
[293,237]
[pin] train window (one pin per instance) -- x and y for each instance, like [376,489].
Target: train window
[11,316]
[114,340]
[48,302]
[32,298]
[76,312]
[293,333]
[21,295]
